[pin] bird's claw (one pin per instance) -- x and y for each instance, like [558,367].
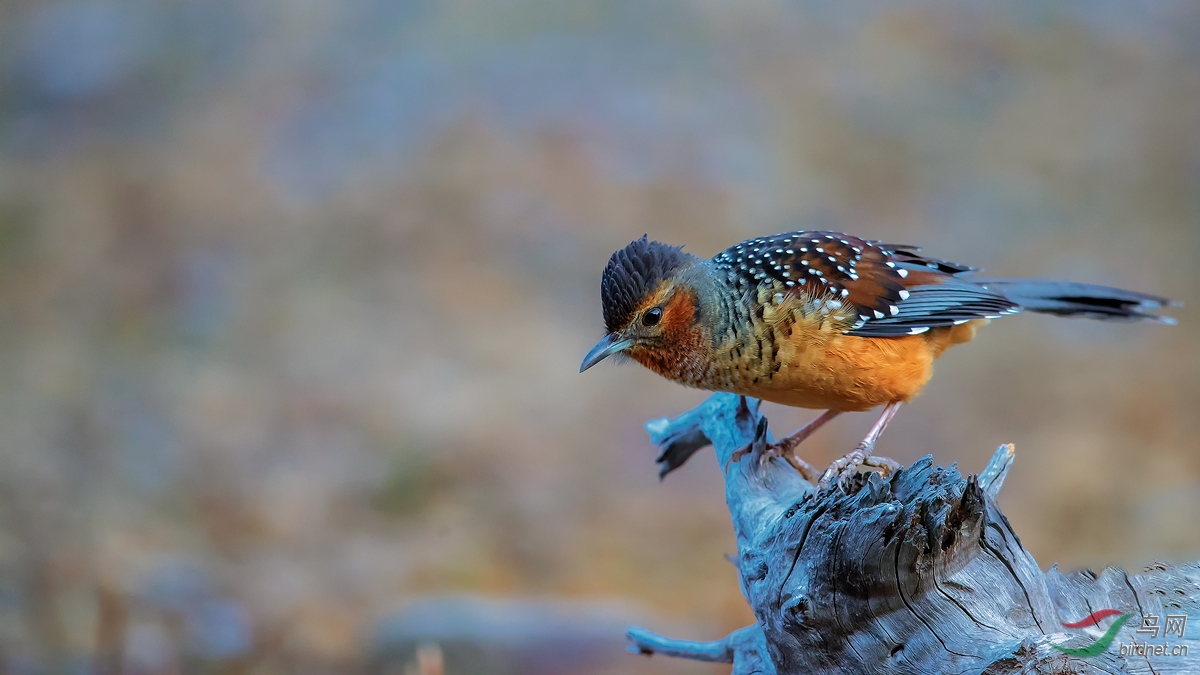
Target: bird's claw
[839,469]
[760,436]
[850,464]
[886,466]
[782,449]
[739,454]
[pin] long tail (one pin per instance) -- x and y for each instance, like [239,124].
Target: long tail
[1067,298]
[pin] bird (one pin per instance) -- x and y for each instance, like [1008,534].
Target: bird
[819,320]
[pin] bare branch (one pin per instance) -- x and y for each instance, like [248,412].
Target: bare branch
[916,573]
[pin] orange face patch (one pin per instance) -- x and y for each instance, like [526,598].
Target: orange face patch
[680,347]
[677,305]
[679,313]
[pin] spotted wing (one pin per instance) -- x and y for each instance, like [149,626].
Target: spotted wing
[949,301]
[893,290]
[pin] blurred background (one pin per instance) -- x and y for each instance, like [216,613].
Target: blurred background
[293,296]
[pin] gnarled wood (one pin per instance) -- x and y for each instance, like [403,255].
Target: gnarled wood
[916,573]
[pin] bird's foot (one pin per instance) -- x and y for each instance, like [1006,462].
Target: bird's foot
[783,449]
[886,466]
[850,464]
[786,451]
[760,440]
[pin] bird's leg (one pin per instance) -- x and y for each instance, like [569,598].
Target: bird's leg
[861,455]
[788,443]
[784,447]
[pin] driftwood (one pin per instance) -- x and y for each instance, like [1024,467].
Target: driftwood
[916,573]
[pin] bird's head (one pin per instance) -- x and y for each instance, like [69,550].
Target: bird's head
[650,310]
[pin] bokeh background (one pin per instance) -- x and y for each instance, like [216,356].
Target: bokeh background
[293,296]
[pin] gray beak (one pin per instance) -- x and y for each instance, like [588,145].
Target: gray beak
[606,347]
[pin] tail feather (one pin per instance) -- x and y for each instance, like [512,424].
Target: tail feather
[1067,298]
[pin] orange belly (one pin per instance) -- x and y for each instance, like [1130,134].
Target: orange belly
[841,372]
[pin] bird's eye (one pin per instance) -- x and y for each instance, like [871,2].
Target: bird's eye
[652,316]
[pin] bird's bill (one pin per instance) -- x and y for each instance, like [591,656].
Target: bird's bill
[607,346]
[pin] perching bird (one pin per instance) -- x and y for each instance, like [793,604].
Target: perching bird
[820,320]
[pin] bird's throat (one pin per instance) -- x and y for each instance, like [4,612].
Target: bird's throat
[687,360]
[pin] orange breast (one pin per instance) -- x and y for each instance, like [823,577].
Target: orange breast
[821,368]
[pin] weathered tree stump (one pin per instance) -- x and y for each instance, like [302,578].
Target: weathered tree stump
[916,573]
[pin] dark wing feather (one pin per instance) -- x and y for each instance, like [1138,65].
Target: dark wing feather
[946,303]
[901,253]
[893,289]
[817,265]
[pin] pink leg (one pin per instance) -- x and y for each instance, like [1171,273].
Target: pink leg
[786,446]
[861,455]
[789,443]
